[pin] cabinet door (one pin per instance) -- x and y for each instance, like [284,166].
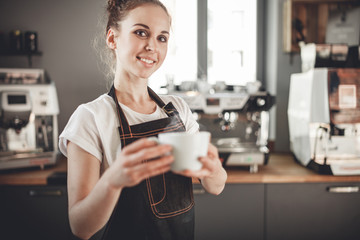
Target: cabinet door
[34,212]
[237,213]
[313,211]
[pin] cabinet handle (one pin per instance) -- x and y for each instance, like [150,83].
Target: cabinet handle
[43,193]
[346,189]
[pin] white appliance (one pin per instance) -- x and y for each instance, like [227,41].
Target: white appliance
[324,119]
[28,119]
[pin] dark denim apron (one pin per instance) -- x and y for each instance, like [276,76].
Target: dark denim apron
[158,208]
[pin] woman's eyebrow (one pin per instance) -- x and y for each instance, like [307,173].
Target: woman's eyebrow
[147,27]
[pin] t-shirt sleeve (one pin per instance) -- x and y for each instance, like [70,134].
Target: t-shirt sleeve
[82,130]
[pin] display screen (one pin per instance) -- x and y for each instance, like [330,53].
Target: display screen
[16,99]
[213,102]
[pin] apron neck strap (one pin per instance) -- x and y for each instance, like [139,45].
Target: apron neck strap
[124,126]
[168,108]
[155,97]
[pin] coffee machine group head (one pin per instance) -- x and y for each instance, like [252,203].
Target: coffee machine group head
[15,109]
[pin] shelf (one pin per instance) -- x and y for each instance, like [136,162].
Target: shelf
[305,20]
[22,53]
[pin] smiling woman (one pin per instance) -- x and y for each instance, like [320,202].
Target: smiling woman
[117,176]
[145,40]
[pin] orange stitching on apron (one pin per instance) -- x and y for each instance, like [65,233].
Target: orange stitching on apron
[174,127]
[127,124]
[123,143]
[173,215]
[178,118]
[149,184]
[170,214]
[149,190]
[146,134]
[150,131]
[168,112]
[118,112]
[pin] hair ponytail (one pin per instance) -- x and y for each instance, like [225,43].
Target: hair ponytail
[118,9]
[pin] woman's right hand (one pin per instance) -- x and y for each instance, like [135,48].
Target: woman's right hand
[92,197]
[139,160]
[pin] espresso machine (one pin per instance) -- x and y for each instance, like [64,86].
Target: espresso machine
[28,119]
[324,120]
[238,122]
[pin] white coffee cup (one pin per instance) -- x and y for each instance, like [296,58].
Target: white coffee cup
[187,148]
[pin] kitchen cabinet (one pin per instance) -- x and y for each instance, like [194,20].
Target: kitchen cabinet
[284,200]
[237,213]
[313,211]
[306,20]
[34,212]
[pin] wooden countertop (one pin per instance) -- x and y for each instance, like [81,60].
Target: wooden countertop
[32,176]
[281,169]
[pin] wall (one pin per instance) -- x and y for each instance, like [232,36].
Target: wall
[67,28]
[278,67]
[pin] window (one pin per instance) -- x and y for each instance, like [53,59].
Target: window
[210,38]
[181,60]
[231,41]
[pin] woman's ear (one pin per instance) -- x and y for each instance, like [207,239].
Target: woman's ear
[110,39]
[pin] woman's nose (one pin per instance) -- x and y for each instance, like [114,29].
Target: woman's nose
[149,48]
[151,45]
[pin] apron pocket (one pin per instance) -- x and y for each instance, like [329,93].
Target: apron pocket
[169,194]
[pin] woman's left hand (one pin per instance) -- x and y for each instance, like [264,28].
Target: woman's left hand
[211,164]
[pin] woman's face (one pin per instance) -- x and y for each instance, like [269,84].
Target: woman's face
[141,43]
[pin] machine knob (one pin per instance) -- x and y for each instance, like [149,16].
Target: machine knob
[226,127]
[260,102]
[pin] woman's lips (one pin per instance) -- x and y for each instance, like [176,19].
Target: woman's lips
[146,60]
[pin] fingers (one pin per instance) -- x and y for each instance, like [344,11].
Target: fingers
[153,168]
[147,154]
[143,150]
[135,160]
[211,164]
[136,174]
[130,176]
[212,151]
[137,145]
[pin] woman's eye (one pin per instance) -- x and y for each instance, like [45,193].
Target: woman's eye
[141,33]
[162,39]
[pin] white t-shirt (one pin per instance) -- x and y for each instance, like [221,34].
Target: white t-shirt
[94,125]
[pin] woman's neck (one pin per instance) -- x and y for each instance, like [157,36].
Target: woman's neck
[130,86]
[133,93]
